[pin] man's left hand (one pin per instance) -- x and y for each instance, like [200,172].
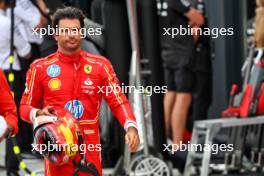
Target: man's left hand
[132,139]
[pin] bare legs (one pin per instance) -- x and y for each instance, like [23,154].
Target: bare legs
[179,116]
[176,107]
[168,103]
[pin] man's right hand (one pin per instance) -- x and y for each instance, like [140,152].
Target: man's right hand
[48,111]
[43,116]
[195,17]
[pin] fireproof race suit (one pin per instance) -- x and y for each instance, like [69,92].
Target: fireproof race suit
[77,83]
[7,104]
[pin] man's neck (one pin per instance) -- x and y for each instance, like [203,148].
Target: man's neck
[69,53]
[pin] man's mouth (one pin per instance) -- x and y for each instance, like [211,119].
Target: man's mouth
[72,42]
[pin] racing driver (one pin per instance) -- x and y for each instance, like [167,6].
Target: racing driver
[76,80]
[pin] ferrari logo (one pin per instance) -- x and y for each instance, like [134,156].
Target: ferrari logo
[87,69]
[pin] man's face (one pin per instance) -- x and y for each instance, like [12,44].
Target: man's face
[69,37]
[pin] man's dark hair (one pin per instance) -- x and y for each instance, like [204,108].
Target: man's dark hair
[68,13]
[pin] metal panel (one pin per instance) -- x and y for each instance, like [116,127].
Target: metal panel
[228,52]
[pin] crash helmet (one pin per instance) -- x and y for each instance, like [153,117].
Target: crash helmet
[57,141]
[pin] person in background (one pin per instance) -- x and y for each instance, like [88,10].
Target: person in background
[202,69]
[177,59]
[259,34]
[29,19]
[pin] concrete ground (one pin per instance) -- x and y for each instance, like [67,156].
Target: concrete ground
[37,164]
[33,164]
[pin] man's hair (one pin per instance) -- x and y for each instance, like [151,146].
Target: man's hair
[68,13]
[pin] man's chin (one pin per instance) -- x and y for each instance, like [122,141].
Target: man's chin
[72,48]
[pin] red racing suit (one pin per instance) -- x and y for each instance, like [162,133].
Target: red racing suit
[7,104]
[77,83]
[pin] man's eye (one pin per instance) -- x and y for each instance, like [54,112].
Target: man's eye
[74,30]
[66,30]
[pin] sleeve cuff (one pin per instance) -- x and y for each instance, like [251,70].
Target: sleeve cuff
[24,51]
[13,124]
[33,114]
[181,6]
[188,8]
[185,3]
[130,123]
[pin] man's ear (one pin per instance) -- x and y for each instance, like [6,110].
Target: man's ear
[55,37]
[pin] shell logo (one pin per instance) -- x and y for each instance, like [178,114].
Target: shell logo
[54,84]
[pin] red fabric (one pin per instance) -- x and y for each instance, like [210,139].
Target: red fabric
[7,104]
[261,101]
[243,110]
[81,77]
[187,136]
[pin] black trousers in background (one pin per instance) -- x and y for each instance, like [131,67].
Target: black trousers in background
[202,93]
[201,100]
